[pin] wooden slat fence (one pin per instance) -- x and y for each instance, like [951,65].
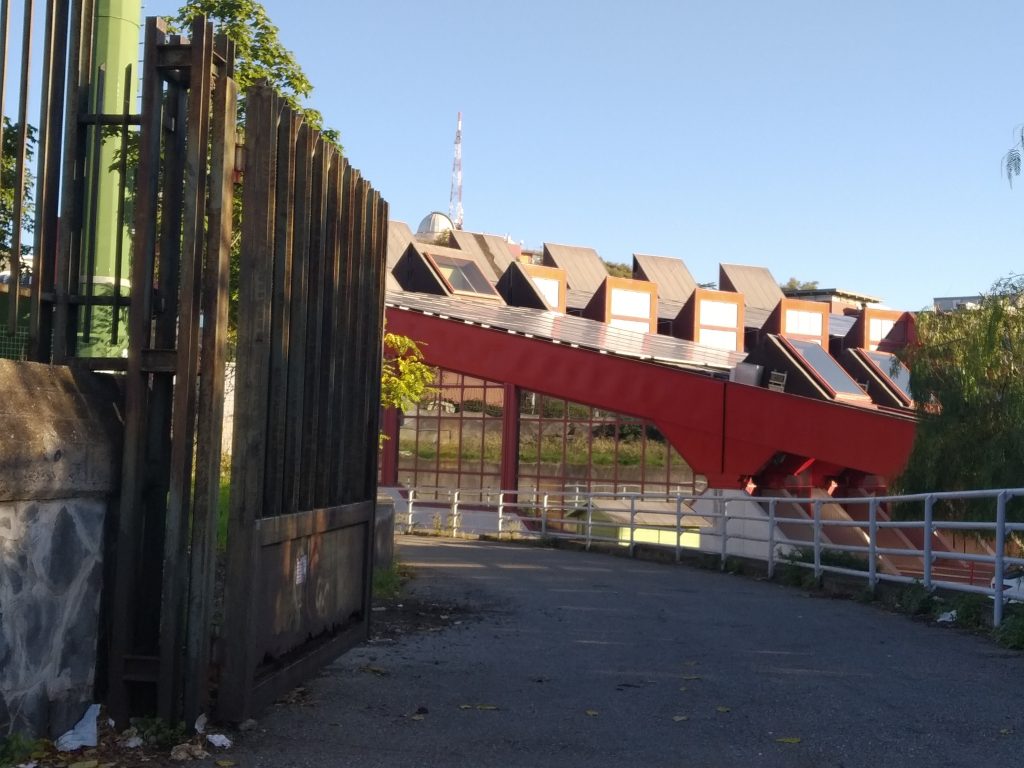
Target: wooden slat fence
[304,455]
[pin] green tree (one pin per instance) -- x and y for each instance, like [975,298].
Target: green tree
[966,380]
[798,285]
[405,378]
[617,270]
[7,186]
[260,54]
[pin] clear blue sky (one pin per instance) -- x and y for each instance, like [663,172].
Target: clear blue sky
[853,143]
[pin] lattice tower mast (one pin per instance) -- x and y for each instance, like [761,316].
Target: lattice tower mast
[455,198]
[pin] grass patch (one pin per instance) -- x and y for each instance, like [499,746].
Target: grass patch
[388,582]
[1011,632]
[17,748]
[913,600]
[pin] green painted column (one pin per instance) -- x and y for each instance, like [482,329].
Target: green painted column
[116,47]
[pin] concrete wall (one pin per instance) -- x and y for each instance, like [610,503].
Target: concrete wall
[59,466]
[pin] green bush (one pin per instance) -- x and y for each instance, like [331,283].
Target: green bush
[972,611]
[17,748]
[847,560]
[1011,632]
[914,600]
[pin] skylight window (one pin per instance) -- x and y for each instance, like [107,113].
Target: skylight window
[461,275]
[893,368]
[827,368]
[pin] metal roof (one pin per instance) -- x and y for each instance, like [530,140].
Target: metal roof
[492,250]
[755,317]
[576,299]
[757,285]
[840,325]
[571,331]
[669,309]
[399,237]
[584,270]
[674,281]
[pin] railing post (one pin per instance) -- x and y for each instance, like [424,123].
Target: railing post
[590,517]
[501,512]
[544,515]
[817,539]
[929,509]
[632,524]
[455,512]
[679,526]
[771,538]
[409,510]
[873,543]
[997,599]
[722,507]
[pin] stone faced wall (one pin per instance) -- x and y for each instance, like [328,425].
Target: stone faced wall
[59,466]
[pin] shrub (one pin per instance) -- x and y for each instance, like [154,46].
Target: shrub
[1011,632]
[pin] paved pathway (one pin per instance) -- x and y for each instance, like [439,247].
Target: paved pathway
[578,659]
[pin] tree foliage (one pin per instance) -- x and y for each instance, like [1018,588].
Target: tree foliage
[967,379]
[798,285]
[260,54]
[405,378]
[8,183]
[1011,160]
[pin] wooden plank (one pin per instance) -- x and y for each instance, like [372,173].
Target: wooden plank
[216,275]
[328,330]
[274,530]
[379,264]
[297,360]
[179,499]
[348,444]
[324,158]
[51,100]
[251,388]
[280,319]
[128,522]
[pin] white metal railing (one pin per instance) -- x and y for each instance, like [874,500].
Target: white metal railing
[608,517]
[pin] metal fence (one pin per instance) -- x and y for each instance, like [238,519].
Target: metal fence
[710,523]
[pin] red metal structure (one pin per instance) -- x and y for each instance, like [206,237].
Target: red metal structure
[731,433]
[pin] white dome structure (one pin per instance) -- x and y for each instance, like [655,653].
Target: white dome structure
[435,223]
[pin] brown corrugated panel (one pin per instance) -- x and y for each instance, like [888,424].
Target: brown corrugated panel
[491,250]
[674,281]
[583,267]
[399,237]
[756,284]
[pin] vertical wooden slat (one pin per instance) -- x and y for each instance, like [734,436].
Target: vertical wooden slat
[324,161]
[297,332]
[72,190]
[216,274]
[19,170]
[280,321]
[339,182]
[132,463]
[347,443]
[379,263]
[252,384]
[183,418]
[48,177]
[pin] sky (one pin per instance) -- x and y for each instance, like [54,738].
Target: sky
[857,144]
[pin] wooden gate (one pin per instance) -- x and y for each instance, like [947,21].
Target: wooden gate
[304,455]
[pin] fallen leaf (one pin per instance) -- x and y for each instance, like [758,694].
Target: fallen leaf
[225,763]
[680,718]
[485,707]
[789,740]
[683,688]
[723,709]
[465,706]
[691,677]
[417,717]
[591,713]
[85,764]
[1006,731]
[374,671]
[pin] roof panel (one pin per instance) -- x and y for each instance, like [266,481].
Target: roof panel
[757,285]
[674,281]
[893,368]
[574,331]
[399,237]
[491,250]
[584,269]
[827,367]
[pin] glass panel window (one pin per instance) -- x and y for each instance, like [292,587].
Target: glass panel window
[711,337]
[724,314]
[631,303]
[549,288]
[803,323]
[462,275]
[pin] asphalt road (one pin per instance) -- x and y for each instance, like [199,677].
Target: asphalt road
[568,659]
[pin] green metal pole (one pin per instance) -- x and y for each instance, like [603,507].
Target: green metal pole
[116,48]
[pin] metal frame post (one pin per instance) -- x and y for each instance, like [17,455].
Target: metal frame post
[997,600]
[817,539]
[455,512]
[873,543]
[544,515]
[771,538]
[590,518]
[679,526]
[929,505]
[501,512]
[722,508]
[412,498]
[632,524]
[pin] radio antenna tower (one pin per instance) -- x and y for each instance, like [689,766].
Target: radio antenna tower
[455,198]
